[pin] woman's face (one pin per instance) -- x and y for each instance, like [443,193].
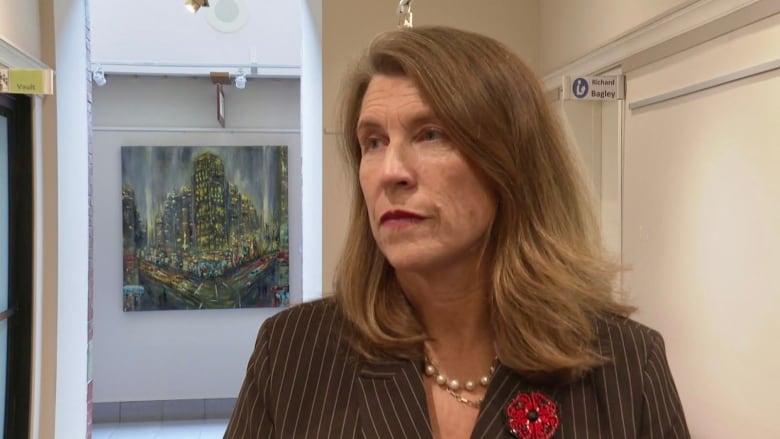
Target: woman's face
[429,209]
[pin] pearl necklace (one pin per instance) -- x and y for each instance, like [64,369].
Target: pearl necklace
[452,386]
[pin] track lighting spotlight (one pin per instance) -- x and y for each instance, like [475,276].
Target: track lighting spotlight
[240,80]
[194,5]
[98,76]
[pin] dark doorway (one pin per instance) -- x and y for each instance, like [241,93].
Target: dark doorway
[16,261]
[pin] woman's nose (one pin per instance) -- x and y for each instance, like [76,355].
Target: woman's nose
[397,166]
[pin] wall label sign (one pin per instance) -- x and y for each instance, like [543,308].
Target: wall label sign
[598,88]
[27,81]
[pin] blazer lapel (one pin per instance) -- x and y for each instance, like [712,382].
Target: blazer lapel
[392,401]
[491,422]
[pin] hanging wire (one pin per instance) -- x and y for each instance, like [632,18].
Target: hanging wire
[405,13]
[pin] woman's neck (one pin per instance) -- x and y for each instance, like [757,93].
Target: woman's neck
[455,313]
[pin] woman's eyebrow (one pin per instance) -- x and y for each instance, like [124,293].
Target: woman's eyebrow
[419,118]
[367,124]
[423,119]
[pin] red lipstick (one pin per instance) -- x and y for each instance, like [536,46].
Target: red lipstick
[399,216]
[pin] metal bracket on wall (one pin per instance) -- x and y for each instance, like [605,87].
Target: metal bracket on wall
[405,18]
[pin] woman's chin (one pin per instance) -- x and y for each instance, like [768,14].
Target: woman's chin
[408,261]
[419,263]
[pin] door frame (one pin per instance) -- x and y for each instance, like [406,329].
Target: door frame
[18,110]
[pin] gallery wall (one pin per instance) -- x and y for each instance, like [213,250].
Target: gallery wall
[167,355]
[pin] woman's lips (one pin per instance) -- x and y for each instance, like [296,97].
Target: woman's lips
[398,218]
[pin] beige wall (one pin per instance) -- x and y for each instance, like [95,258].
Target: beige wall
[20,25]
[348,26]
[701,227]
[571,29]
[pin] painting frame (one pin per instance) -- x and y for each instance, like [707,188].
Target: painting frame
[204,227]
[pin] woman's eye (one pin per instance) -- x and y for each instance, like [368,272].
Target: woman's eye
[431,134]
[370,143]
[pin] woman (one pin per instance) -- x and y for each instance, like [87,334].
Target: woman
[473,298]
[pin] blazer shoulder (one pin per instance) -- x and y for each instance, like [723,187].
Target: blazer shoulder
[624,338]
[637,379]
[305,325]
[323,307]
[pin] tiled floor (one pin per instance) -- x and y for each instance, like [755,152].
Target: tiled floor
[199,429]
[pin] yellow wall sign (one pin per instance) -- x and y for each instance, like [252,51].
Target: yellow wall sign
[27,81]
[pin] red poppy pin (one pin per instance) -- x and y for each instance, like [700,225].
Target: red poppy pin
[532,416]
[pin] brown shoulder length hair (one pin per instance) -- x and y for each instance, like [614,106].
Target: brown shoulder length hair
[550,280]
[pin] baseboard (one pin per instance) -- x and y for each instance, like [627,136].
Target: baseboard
[168,410]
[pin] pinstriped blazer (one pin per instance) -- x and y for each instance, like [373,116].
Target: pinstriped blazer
[303,382]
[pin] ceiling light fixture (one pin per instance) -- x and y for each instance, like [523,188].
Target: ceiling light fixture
[194,5]
[240,80]
[98,75]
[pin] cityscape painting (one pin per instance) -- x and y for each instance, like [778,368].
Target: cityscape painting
[204,228]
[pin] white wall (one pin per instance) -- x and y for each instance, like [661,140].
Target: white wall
[73,221]
[311,147]
[701,228]
[178,354]
[348,27]
[154,31]
[571,29]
